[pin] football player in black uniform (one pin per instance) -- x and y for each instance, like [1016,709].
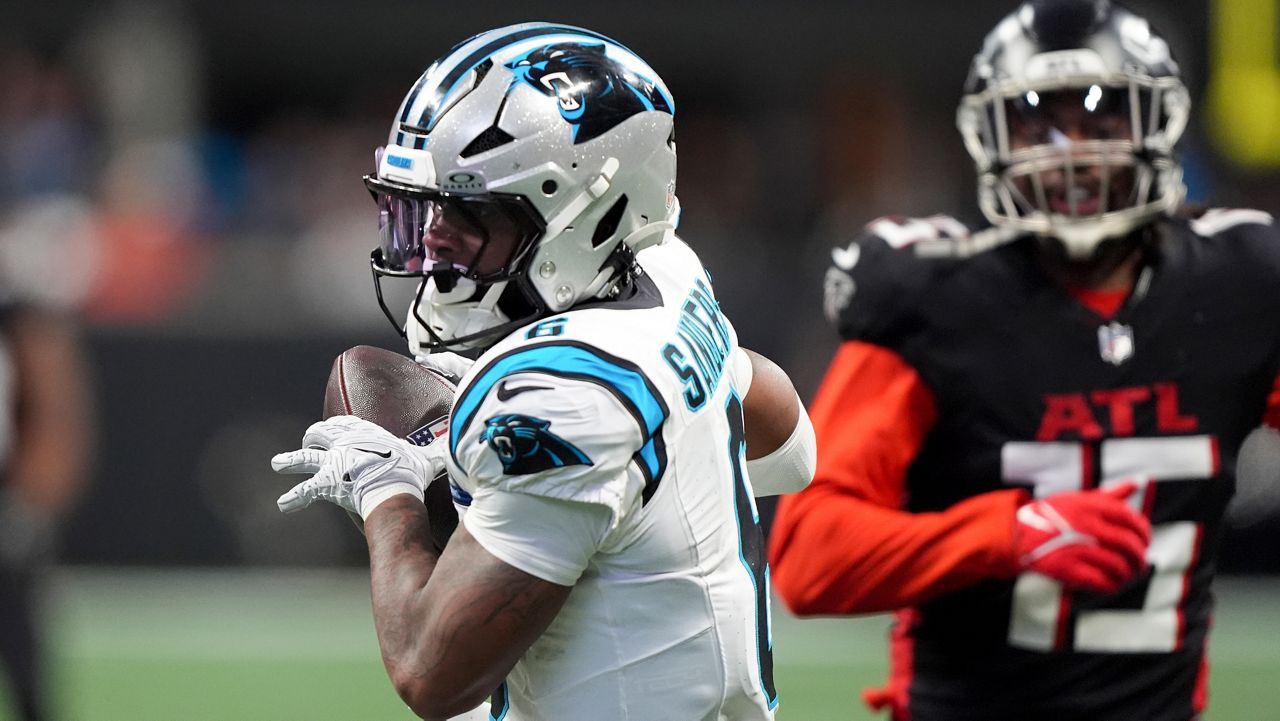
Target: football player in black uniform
[46,438]
[1028,438]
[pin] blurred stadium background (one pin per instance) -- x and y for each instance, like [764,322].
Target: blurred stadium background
[184,176]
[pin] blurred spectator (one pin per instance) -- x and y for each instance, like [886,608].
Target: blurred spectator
[46,144]
[152,257]
[49,249]
[46,436]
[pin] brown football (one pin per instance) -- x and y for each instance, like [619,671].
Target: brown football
[404,397]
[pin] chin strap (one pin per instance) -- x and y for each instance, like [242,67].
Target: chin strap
[620,268]
[621,265]
[472,316]
[648,235]
[613,274]
[489,300]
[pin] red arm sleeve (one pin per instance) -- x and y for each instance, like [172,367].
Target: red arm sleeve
[843,545]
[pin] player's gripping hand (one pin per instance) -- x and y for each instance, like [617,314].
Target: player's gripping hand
[450,365]
[356,465]
[1089,540]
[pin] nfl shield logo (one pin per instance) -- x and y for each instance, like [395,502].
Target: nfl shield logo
[429,433]
[1115,343]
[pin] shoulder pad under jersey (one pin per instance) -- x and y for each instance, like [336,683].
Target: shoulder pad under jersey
[875,282]
[1221,221]
[1248,237]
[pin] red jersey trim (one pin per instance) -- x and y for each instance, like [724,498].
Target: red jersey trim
[895,694]
[1105,303]
[1200,696]
[1272,415]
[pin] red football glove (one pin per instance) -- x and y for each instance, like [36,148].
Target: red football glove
[1090,540]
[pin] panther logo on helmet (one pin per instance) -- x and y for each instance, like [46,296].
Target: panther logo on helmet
[595,92]
[524,445]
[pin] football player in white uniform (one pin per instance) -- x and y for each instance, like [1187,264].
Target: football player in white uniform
[605,447]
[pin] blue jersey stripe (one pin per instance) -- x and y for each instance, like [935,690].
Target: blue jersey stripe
[499,703]
[460,497]
[568,359]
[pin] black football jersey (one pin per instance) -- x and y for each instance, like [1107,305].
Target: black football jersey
[1035,390]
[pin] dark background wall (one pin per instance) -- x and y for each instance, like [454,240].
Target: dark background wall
[185,177]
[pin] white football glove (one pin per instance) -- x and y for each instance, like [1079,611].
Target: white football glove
[357,465]
[451,365]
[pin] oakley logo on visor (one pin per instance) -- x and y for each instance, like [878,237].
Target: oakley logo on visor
[462,180]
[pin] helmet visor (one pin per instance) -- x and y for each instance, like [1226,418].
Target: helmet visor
[482,237]
[1096,112]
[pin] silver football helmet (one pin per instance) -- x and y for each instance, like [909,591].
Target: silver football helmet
[1071,113]
[523,171]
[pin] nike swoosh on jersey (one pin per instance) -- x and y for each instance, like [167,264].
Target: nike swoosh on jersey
[506,392]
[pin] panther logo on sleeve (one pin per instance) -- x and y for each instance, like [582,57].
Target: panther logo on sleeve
[524,445]
[596,92]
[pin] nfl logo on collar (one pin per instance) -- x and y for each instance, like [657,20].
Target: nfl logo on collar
[1115,343]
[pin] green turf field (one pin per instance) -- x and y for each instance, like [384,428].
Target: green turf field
[282,645]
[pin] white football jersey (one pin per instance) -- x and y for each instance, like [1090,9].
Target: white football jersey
[603,448]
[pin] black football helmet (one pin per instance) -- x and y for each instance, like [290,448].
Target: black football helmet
[1071,113]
